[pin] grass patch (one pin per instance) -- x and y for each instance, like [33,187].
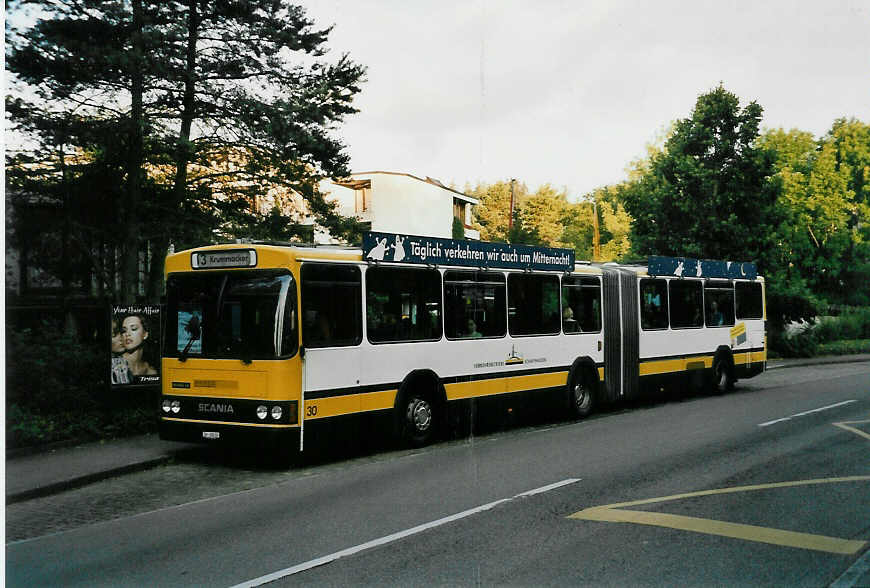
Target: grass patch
[845,347]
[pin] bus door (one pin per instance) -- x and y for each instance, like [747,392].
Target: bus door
[331,334]
[748,332]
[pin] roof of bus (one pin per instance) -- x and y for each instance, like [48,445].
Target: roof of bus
[282,254]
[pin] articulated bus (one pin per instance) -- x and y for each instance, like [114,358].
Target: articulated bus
[262,341]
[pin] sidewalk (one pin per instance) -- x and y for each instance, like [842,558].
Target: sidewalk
[64,468]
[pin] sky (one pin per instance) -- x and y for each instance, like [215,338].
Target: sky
[571,92]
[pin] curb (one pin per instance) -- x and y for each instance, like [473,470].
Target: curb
[81,481]
[802,362]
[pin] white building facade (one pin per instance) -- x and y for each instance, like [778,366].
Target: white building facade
[395,202]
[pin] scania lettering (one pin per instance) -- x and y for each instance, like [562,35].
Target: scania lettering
[227,408]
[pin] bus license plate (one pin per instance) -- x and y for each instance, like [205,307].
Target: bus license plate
[211,435]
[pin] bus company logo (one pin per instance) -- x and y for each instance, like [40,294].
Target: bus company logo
[217,408]
[513,357]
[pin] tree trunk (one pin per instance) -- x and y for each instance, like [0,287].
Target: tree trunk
[183,150]
[132,203]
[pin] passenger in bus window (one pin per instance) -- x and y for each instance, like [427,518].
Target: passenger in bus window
[717,319]
[569,324]
[472,330]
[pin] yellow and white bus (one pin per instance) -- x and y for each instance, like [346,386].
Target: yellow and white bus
[264,340]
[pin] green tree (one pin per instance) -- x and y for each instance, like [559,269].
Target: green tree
[541,217]
[492,216]
[615,223]
[181,81]
[815,199]
[707,194]
[851,141]
[578,228]
[458,229]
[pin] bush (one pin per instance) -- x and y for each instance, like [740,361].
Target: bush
[848,347]
[52,371]
[56,390]
[819,337]
[801,344]
[852,325]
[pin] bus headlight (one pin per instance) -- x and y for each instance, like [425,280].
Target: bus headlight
[262,412]
[166,406]
[277,412]
[175,406]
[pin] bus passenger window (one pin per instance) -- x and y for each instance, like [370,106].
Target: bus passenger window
[719,304]
[686,299]
[474,305]
[749,303]
[331,305]
[653,304]
[581,305]
[533,304]
[403,304]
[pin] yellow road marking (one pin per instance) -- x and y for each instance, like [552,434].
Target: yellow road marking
[845,425]
[615,513]
[724,529]
[741,489]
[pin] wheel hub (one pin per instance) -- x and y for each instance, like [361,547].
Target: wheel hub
[420,414]
[580,395]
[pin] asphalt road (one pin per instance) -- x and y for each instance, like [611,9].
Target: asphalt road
[768,485]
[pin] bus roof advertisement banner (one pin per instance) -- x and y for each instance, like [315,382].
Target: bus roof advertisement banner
[135,346]
[701,268]
[478,254]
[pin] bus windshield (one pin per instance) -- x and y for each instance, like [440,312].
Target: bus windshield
[243,315]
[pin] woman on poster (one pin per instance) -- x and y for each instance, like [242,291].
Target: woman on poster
[120,370]
[135,330]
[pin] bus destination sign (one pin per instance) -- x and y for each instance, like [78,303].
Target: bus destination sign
[687,267]
[438,251]
[225,258]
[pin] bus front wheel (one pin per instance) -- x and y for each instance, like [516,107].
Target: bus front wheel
[418,419]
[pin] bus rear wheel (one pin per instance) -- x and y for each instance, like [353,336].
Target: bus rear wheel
[723,375]
[581,395]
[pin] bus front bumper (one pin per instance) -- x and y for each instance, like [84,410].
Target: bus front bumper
[229,434]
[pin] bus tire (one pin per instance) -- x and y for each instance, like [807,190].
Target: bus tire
[418,412]
[723,374]
[581,394]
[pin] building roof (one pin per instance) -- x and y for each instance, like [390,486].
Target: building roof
[428,180]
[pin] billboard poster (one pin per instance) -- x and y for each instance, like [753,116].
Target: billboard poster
[135,346]
[687,267]
[477,254]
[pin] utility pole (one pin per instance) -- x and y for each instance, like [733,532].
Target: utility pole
[511,217]
[596,236]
